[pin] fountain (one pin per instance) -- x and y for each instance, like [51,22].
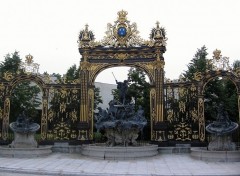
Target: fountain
[220,147]
[24,130]
[122,126]
[24,143]
[221,130]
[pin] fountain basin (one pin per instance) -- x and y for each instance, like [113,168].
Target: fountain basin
[101,151]
[202,153]
[6,151]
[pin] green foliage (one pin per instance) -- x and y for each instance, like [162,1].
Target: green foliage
[236,64]
[139,89]
[98,137]
[220,90]
[197,64]
[57,75]
[115,93]
[24,95]
[72,73]
[11,63]
[97,97]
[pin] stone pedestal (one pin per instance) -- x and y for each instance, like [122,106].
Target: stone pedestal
[124,137]
[24,140]
[215,156]
[221,143]
[119,153]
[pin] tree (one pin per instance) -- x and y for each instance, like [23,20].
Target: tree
[25,95]
[139,88]
[97,97]
[10,64]
[72,73]
[197,64]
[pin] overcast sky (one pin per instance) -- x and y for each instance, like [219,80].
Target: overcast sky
[48,29]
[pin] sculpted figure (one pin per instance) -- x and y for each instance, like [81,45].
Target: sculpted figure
[122,87]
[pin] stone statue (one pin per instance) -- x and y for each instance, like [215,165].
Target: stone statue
[122,87]
[120,122]
[221,131]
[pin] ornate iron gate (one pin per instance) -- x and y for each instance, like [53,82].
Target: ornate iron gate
[176,108]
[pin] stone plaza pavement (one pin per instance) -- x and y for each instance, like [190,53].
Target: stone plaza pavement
[76,164]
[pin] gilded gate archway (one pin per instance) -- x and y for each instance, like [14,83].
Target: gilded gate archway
[176,107]
[122,46]
[60,103]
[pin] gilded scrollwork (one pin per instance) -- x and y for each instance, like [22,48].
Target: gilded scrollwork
[121,56]
[5,120]
[201,119]
[51,115]
[182,106]
[195,135]
[237,72]
[2,87]
[170,135]
[73,115]
[8,76]
[160,136]
[182,91]
[170,115]
[85,65]
[194,115]
[63,107]
[82,135]
[183,132]
[159,64]
[61,131]
[63,93]
[122,33]
[193,88]
[46,79]
[198,76]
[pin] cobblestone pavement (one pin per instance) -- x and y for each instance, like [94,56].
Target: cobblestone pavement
[75,164]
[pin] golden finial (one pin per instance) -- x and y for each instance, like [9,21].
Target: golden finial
[122,16]
[217,54]
[157,23]
[29,59]
[86,27]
